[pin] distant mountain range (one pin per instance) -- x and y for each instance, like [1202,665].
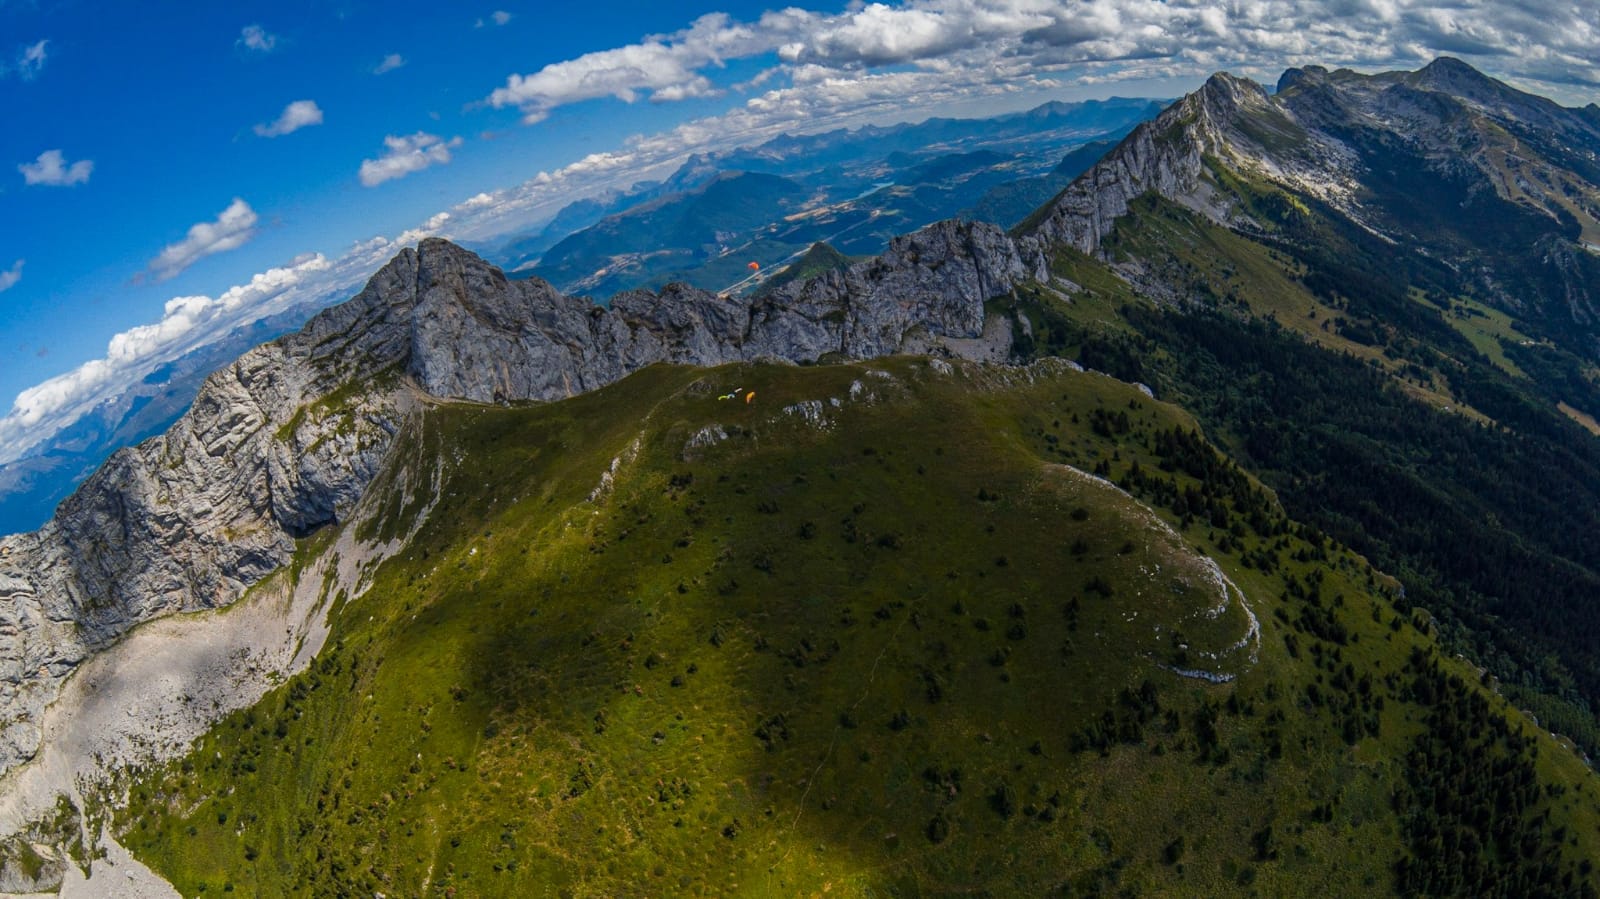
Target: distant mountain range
[853,189]
[1009,203]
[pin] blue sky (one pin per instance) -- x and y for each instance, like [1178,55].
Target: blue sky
[168,170]
[158,106]
[163,101]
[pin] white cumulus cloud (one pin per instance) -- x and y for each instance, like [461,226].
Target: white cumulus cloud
[497,18]
[232,229]
[52,169]
[10,277]
[876,34]
[30,61]
[182,315]
[297,115]
[257,39]
[390,63]
[186,322]
[33,404]
[666,66]
[982,42]
[433,227]
[406,154]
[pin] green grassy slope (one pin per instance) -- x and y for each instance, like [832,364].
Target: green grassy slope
[819,259]
[1389,407]
[905,650]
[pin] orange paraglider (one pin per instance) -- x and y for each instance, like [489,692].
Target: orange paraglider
[749,396]
[754,266]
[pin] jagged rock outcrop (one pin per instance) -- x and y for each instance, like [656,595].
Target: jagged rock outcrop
[284,440]
[517,340]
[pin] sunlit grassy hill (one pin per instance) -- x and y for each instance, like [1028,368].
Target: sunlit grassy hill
[879,631]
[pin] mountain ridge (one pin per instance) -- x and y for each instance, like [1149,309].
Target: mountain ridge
[521,340]
[1435,241]
[286,440]
[31,487]
[217,503]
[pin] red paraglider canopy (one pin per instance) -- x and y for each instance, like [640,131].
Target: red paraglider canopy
[755,266]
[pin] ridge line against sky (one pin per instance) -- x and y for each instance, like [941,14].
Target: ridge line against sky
[313,149]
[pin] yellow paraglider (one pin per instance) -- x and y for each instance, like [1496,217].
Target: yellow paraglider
[749,396]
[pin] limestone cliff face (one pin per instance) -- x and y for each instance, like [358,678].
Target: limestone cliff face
[1165,155]
[1228,121]
[480,336]
[284,440]
[189,519]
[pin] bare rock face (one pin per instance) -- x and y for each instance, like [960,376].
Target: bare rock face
[481,336]
[285,440]
[1165,155]
[1579,294]
[1229,121]
[189,519]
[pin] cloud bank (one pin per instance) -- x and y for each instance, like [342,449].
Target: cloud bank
[988,41]
[187,323]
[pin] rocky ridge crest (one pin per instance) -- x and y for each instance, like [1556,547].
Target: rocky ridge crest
[1229,120]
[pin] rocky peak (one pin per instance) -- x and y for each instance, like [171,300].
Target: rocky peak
[1224,96]
[1461,82]
[1452,76]
[695,171]
[1298,77]
[1314,137]
[443,265]
[1166,155]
